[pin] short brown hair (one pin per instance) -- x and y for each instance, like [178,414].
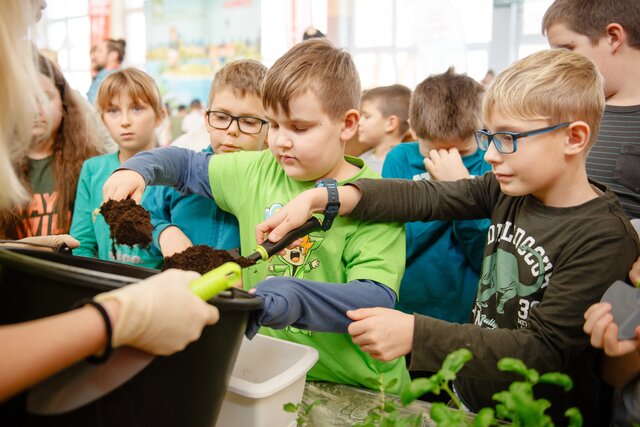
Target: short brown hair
[391,101]
[591,17]
[446,107]
[136,83]
[319,66]
[243,77]
[118,46]
[554,85]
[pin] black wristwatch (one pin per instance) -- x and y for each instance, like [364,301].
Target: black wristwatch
[333,204]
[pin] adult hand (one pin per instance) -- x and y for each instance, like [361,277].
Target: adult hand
[173,240]
[160,314]
[603,331]
[446,165]
[634,274]
[54,241]
[384,333]
[123,184]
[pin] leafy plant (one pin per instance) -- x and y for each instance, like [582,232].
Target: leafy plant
[303,412]
[517,404]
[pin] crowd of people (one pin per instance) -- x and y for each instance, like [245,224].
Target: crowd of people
[486,215]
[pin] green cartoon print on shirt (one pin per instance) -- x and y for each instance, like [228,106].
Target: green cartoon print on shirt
[296,261]
[501,276]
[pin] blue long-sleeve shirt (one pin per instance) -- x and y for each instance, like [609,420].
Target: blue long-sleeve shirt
[443,257]
[199,217]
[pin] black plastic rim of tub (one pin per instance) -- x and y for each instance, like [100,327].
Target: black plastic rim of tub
[55,267]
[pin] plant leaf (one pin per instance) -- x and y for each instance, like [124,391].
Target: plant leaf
[290,407]
[484,418]
[557,378]
[417,388]
[575,417]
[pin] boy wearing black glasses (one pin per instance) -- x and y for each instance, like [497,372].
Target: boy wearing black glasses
[235,121]
[556,241]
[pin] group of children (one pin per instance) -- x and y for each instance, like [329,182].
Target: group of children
[504,263]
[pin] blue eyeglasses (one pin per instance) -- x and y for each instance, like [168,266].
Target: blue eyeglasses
[505,142]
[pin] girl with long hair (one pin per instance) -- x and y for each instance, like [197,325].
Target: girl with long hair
[62,139]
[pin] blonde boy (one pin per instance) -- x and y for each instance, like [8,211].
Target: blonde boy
[312,111]
[235,121]
[556,240]
[384,122]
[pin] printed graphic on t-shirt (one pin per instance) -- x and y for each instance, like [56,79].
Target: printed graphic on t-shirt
[502,280]
[424,176]
[40,218]
[295,262]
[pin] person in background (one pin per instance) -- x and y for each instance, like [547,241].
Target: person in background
[161,314]
[235,122]
[312,112]
[556,241]
[131,108]
[62,139]
[384,121]
[193,120]
[443,257]
[488,77]
[176,121]
[608,33]
[107,58]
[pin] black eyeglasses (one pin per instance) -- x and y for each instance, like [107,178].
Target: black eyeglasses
[505,142]
[247,124]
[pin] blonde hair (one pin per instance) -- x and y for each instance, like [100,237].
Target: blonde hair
[446,107]
[554,85]
[19,91]
[591,17]
[391,101]
[315,65]
[243,77]
[136,83]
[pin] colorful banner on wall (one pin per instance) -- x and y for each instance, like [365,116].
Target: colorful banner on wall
[189,40]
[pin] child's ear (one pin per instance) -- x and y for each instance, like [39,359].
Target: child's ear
[616,36]
[392,125]
[414,137]
[160,117]
[350,125]
[578,140]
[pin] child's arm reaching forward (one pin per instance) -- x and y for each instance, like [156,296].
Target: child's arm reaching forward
[185,170]
[315,306]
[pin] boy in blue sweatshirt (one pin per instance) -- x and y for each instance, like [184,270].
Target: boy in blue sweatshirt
[443,257]
[235,122]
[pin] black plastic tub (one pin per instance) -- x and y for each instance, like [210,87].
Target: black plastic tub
[185,389]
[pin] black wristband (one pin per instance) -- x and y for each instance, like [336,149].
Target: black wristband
[333,202]
[106,353]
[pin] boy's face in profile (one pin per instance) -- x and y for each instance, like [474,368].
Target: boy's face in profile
[307,144]
[561,37]
[371,129]
[240,135]
[538,162]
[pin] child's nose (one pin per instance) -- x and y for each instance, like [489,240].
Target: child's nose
[282,140]
[492,155]
[125,120]
[234,128]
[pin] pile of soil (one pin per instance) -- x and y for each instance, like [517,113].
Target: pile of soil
[202,258]
[129,222]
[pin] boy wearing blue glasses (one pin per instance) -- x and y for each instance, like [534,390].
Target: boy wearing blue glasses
[235,121]
[555,244]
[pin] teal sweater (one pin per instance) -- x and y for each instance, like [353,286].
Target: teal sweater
[88,225]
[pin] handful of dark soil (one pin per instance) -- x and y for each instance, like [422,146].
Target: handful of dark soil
[202,258]
[129,222]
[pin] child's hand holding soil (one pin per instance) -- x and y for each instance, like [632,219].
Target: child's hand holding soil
[129,222]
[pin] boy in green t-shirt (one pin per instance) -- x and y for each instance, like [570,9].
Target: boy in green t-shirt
[312,112]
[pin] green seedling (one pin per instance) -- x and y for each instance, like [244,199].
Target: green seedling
[517,404]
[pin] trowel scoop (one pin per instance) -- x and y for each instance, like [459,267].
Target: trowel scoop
[267,249]
[625,308]
[85,382]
